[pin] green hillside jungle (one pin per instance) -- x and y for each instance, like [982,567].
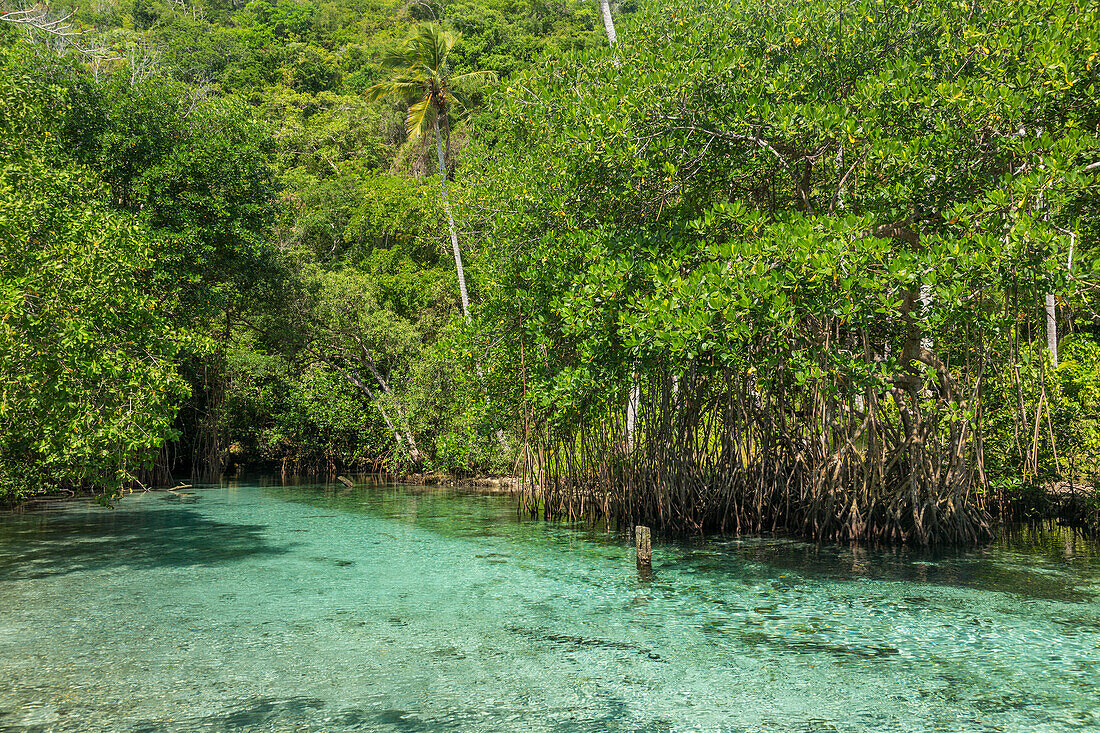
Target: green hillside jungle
[829,268]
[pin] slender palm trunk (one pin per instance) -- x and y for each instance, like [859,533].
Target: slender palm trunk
[458,255]
[635,388]
[451,220]
[1051,308]
[925,307]
[608,23]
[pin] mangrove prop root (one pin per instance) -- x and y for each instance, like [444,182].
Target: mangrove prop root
[729,455]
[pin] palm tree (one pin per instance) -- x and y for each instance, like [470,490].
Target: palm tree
[423,77]
[608,23]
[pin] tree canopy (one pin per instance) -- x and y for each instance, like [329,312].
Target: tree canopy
[788,265]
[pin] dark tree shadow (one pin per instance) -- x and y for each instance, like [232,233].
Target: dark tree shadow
[1021,572]
[44,545]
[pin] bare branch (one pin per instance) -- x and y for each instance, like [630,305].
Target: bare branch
[55,32]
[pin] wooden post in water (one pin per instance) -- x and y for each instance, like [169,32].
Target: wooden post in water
[641,538]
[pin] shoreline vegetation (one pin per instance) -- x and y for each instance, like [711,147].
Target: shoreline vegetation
[1065,504]
[712,266]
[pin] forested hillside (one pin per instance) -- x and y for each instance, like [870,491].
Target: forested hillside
[831,269]
[268,280]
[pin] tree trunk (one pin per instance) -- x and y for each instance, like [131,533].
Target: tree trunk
[925,307]
[1052,328]
[451,220]
[1052,310]
[458,254]
[1049,306]
[404,443]
[608,23]
[414,451]
[632,410]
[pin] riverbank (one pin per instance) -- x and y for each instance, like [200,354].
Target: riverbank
[1071,504]
[1074,505]
[490,485]
[481,484]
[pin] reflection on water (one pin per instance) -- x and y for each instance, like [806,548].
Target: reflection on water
[268,607]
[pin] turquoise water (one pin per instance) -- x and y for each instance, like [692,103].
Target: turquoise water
[314,608]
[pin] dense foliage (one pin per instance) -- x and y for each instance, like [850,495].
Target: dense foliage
[785,265]
[207,185]
[88,385]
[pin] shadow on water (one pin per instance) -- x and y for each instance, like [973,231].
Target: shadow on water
[49,544]
[298,713]
[574,642]
[1047,563]
[441,508]
[1041,562]
[262,713]
[302,713]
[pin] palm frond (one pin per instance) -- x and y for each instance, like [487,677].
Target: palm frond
[419,117]
[475,79]
[459,101]
[397,88]
[433,44]
[398,58]
[421,70]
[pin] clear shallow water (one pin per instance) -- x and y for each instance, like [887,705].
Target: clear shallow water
[312,608]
